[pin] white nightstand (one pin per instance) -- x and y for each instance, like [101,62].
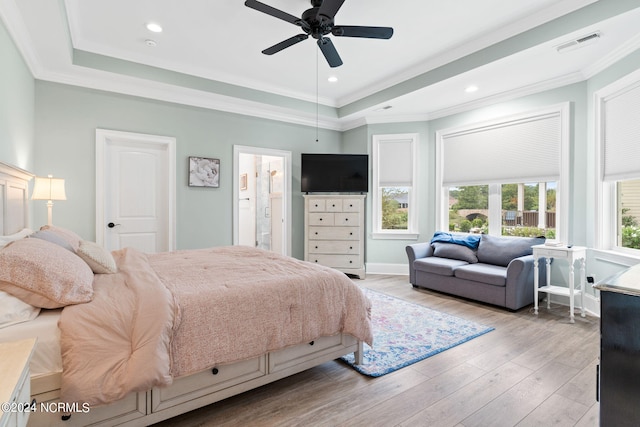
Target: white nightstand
[571,254]
[15,386]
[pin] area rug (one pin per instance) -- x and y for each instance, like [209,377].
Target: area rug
[405,333]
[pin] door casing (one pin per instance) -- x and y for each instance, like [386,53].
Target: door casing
[104,138]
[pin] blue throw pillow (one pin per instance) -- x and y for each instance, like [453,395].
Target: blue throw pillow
[469,240]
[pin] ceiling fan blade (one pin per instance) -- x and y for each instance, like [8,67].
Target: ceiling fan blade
[329,8]
[264,8]
[285,44]
[329,51]
[366,32]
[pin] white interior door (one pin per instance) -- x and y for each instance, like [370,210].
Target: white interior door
[135,191]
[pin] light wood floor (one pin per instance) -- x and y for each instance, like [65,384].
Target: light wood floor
[529,371]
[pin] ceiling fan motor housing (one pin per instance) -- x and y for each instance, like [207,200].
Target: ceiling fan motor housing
[318,25]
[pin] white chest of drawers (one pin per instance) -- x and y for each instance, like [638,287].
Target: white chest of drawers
[334,232]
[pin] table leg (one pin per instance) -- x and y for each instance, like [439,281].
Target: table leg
[571,293]
[548,282]
[583,279]
[536,282]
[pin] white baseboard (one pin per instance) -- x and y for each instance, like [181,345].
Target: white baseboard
[394,269]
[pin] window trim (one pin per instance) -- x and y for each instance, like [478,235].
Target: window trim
[412,232]
[606,236]
[563,184]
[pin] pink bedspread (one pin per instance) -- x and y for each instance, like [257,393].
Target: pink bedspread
[173,314]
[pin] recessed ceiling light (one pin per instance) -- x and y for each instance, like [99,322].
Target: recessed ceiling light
[151,43]
[332,79]
[471,89]
[154,28]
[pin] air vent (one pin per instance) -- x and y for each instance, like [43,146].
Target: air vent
[579,42]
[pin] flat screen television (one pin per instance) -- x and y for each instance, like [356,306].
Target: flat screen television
[334,173]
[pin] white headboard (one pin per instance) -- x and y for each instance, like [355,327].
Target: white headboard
[14,198]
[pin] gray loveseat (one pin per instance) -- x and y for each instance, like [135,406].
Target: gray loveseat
[493,269]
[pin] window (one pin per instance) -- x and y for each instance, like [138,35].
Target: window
[519,209]
[503,177]
[618,109]
[394,186]
[628,213]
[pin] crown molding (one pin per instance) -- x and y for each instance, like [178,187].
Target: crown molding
[142,88]
[14,23]
[614,56]
[454,53]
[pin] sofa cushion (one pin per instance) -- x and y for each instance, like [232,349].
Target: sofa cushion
[485,273]
[435,265]
[500,250]
[454,251]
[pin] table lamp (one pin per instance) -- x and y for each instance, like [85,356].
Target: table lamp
[49,189]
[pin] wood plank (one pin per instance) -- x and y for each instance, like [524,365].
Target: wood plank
[531,370]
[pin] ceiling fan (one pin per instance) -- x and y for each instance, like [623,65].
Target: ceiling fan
[317,22]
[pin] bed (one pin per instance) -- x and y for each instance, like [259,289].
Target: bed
[138,338]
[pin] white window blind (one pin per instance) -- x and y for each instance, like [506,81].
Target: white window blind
[622,135]
[524,150]
[395,163]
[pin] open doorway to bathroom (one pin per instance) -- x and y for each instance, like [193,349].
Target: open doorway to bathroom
[262,188]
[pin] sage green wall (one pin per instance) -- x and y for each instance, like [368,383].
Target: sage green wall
[16,105]
[392,251]
[65,122]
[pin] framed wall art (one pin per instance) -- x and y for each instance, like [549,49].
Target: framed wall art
[204,172]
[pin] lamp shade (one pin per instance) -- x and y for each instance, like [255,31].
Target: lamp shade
[48,188]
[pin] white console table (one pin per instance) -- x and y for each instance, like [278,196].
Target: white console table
[571,254]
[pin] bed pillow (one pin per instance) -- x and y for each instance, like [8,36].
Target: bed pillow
[454,251]
[97,257]
[5,240]
[52,237]
[44,274]
[14,310]
[69,236]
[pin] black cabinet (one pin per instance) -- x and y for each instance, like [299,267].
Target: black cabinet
[619,370]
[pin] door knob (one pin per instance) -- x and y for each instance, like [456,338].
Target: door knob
[111,225]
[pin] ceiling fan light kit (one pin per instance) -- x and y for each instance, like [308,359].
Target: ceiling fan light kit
[318,22]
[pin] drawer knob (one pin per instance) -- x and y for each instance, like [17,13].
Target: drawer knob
[312,343]
[351,234]
[316,233]
[316,261]
[333,206]
[350,262]
[320,219]
[316,247]
[350,247]
[346,219]
[215,371]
